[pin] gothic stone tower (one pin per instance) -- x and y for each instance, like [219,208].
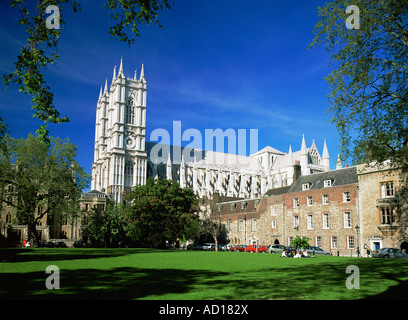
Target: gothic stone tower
[120,158]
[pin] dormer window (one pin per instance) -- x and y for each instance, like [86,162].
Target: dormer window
[306,186]
[328,183]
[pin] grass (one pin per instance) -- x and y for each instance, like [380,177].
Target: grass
[194,275]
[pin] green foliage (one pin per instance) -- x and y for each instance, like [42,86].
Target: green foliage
[132,14]
[300,242]
[41,47]
[368,83]
[107,224]
[46,179]
[161,210]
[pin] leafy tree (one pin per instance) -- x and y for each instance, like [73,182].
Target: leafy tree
[42,24]
[211,227]
[300,242]
[46,179]
[368,84]
[106,225]
[161,210]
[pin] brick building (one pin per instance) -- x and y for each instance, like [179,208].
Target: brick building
[321,206]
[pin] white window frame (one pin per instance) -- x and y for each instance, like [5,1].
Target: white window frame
[229,224]
[387,189]
[310,221]
[295,202]
[306,186]
[326,220]
[346,197]
[253,224]
[240,224]
[295,221]
[318,241]
[274,211]
[325,199]
[347,219]
[309,201]
[333,242]
[273,224]
[351,242]
[328,183]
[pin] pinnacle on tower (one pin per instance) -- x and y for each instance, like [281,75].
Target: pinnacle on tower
[290,161]
[114,74]
[303,149]
[121,68]
[106,87]
[325,156]
[142,77]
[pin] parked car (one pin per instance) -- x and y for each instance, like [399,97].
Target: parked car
[228,247]
[238,248]
[212,247]
[311,250]
[256,248]
[60,244]
[207,246]
[195,247]
[389,253]
[81,244]
[276,248]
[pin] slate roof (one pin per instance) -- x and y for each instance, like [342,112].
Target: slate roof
[277,191]
[339,177]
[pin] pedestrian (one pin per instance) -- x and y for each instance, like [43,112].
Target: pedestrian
[358,252]
[368,252]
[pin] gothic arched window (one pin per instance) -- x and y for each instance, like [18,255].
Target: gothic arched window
[130,112]
[128,173]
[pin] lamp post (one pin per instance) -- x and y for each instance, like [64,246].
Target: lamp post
[358,240]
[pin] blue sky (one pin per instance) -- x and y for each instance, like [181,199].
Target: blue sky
[215,64]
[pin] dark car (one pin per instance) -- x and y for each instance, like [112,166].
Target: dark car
[196,246]
[81,244]
[60,244]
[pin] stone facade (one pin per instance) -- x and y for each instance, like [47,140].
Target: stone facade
[50,228]
[122,158]
[379,187]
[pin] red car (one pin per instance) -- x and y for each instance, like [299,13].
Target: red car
[257,248]
[238,248]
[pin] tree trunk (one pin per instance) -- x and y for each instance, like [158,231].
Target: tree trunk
[32,234]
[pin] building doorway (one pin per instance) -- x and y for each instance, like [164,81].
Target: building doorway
[276,241]
[404,246]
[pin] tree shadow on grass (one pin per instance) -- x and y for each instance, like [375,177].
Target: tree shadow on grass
[119,283]
[321,281]
[58,254]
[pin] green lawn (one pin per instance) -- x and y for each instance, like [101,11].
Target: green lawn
[194,275]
